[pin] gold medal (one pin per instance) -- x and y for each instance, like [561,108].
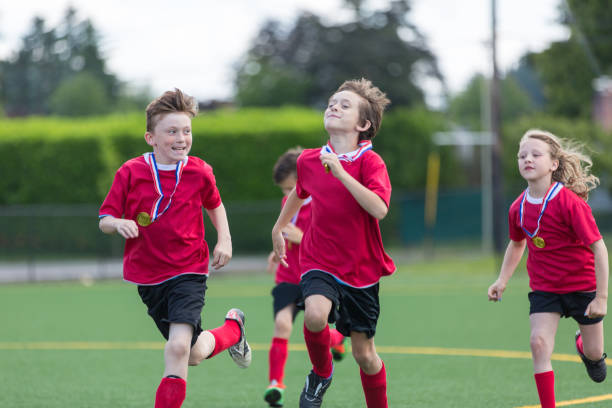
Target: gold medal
[326,167]
[143,219]
[539,242]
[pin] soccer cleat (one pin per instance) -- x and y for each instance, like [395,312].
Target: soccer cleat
[274,394]
[597,370]
[241,351]
[338,351]
[314,388]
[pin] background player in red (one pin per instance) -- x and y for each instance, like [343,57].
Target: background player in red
[341,256]
[155,203]
[287,293]
[568,260]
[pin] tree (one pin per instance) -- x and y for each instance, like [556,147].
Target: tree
[465,108]
[47,58]
[566,69]
[80,95]
[306,63]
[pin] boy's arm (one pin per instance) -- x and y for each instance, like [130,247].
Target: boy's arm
[292,205]
[126,228]
[513,255]
[223,250]
[599,306]
[367,199]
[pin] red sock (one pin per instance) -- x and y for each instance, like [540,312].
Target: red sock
[277,359]
[318,349]
[170,393]
[579,344]
[225,336]
[546,388]
[336,338]
[375,388]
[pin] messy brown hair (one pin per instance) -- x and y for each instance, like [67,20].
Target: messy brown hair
[372,110]
[574,166]
[169,102]
[286,164]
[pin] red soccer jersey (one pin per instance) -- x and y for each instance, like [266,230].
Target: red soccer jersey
[343,239]
[174,244]
[292,273]
[566,263]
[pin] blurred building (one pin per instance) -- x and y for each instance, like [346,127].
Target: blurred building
[602,107]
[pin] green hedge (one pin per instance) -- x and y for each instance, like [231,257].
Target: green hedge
[51,160]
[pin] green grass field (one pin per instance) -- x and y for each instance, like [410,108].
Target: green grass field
[444,345]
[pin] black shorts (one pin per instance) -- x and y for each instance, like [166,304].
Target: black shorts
[572,304]
[178,300]
[353,309]
[285,294]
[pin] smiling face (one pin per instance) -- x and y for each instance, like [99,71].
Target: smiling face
[171,137]
[342,113]
[535,161]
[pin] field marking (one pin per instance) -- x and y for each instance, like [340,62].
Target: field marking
[598,398]
[143,345]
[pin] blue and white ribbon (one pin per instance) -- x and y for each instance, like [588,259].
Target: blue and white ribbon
[545,200]
[364,146]
[150,160]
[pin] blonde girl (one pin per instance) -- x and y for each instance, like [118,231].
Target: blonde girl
[567,259]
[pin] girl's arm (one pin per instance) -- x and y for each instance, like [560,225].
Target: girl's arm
[367,199]
[513,255]
[599,306]
[126,228]
[292,205]
[223,250]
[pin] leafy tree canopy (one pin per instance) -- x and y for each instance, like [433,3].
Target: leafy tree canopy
[306,63]
[48,57]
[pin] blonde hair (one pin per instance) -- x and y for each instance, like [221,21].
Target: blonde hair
[574,166]
[372,110]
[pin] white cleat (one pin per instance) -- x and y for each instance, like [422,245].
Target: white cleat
[241,351]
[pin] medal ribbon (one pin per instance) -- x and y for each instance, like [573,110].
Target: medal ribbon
[545,200]
[364,146]
[150,159]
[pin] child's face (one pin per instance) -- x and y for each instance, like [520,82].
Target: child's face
[171,138]
[534,160]
[342,113]
[288,184]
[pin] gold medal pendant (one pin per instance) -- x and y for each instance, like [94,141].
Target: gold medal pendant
[326,167]
[539,242]
[143,219]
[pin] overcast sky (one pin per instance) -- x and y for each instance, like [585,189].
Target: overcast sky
[194,44]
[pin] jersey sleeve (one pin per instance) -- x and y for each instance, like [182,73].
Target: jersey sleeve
[376,177]
[114,203]
[582,221]
[299,186]
[209,195]
[515,231]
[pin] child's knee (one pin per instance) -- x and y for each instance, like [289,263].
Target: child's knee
[315,319]
[365,357]
[283,326]
[177,349]
[538,343]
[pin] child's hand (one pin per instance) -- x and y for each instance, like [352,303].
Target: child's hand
[126,228]
[597,308]
[495,291]
[222,254]
[273,262]
[293,233]
[332,162]
[278,243]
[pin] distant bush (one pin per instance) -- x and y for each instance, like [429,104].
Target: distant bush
[52,160]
